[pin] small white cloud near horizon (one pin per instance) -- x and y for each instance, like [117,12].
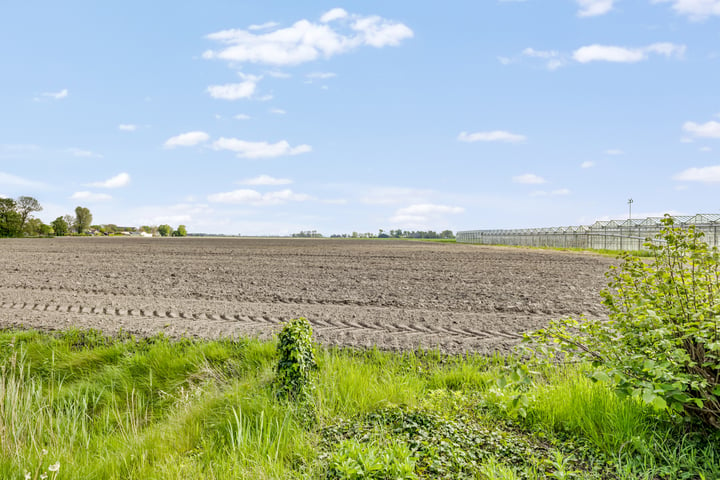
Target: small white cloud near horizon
[528,179]
[615,54]
[587,164]
[119,180]
[56,95]
[321,75]
[306,41]
[277,111]
[127,127]
[593,8]
[492,136]
[265,180]
[91,196]
[15,181]
[245,149]
[235,91]
[700,174]
[188,139]
[696,10]
[423,215]
[710,129]
[257,199]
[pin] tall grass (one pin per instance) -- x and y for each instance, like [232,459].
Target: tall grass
[130,408]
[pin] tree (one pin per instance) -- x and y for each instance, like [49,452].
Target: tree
[46,230]
[180,232]
[32,227]
[165,230]
[10,219]
[25,206]
[83,219]
[69,221]
[60,226]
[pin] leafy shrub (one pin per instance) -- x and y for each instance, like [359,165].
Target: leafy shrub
[661,344]
[354,460]
[296,360]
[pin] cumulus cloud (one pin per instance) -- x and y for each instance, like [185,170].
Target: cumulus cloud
[528,178]
[78,152]
[587,164]
[119,180]
[695,9]
[493,136]
[306,41]
[710,129]
[188,139]
[235,91]
[56,95]
[263,26]
[553,58]
[394,195]
[425,215]
[127,127]
[15,181]
[610,53]
[592,8]
[265,180]
[245,149]
[255,198]
[321,75]
[91,196]
[702,174]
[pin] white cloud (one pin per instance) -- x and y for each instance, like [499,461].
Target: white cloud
[241,116]
[56,95]
[188,139]
[429,209]
[278,111]
[334,14]
[493,136]
[245,149]
[15,181]
[119,180]
[91,197]
[705,149]
[614,151]
[321,75]
[276,74]
[528,178]
[701,174]
[265,180]
[235,91]
[704,130]
[255,198]
[263,26]
[506,60]
[394,195]
[695,9]
[531,52]
[306,41]
[592,8]
[78,152]
[609,53]
[127,127]
[587,164]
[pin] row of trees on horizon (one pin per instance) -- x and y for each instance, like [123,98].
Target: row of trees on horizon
[16,220]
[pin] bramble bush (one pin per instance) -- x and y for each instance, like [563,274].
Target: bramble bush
[296,362]
[661,343]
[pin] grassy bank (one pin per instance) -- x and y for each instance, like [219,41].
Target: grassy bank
[99,408]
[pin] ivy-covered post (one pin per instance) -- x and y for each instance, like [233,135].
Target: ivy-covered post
[296,360]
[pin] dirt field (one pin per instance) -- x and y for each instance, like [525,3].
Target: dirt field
[393,294]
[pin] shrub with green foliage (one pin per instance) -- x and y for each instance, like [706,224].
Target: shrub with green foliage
[661,344]
[296,360]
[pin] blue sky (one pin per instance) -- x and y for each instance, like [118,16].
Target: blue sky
[275,117]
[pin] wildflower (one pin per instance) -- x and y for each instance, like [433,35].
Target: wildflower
[43,476]
[27,476]
[54,467]
[44,452]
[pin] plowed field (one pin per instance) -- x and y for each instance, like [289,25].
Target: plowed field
[393,294]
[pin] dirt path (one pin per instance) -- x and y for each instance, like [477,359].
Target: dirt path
[393,294]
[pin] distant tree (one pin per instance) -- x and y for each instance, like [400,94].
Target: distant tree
[146,229]
[25,206]
[32,227]
[447,234]
[165,230]
[181,231]
[46,230]
[69,220]
[10,218]
[60,226]
[83,219]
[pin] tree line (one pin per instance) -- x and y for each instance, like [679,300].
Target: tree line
[16,221]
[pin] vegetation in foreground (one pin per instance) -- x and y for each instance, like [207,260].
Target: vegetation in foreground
[77,404]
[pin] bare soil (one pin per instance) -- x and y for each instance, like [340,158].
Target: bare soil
[389,294]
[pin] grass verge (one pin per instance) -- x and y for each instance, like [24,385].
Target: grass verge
[129,408]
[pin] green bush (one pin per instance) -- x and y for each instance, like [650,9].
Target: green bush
[296,360]
[661,344]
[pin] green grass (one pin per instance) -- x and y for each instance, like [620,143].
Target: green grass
[599,251]
[128,408]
